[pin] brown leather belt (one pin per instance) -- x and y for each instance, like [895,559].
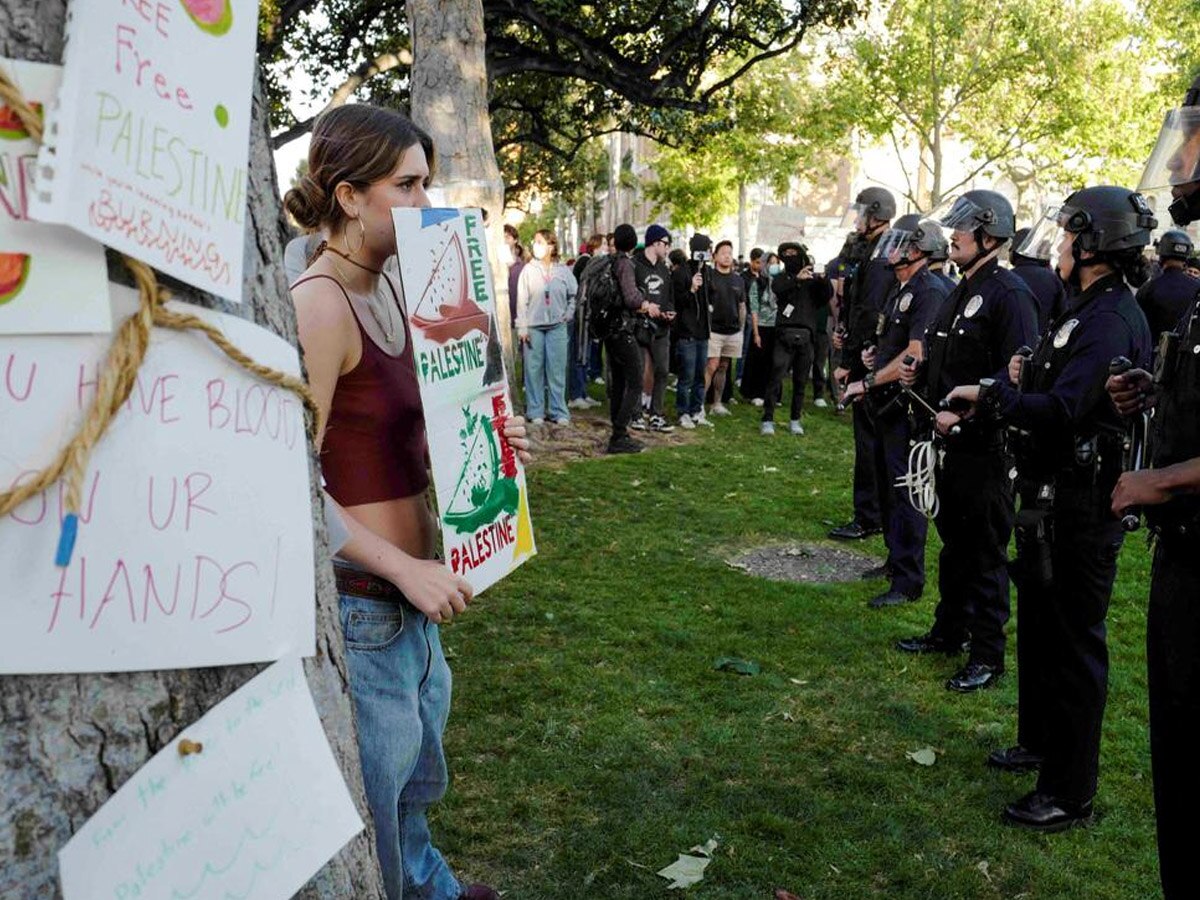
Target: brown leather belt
[363,584]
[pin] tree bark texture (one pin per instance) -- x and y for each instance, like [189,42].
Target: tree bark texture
[68,742]
[450,102]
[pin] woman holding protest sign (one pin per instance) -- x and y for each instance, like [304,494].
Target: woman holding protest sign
[393,593]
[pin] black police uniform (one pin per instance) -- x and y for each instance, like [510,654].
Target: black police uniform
[868,282]
[1046,286]
[949,283]
[909,311]
[981,325]
[1173,621]
[1068,456]
[1165,299]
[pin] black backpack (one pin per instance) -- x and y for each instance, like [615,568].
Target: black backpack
[600,311]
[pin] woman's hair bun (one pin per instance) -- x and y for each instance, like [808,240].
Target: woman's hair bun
[307,203]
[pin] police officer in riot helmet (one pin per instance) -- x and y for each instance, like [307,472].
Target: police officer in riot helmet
[1031,263]
[867,283]
[1069,456]
[912,304]
[1165,298]
[1168,493]
[987,317]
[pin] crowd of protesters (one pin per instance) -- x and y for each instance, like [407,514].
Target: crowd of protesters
[726,330]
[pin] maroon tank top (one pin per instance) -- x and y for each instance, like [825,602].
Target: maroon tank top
[374,447]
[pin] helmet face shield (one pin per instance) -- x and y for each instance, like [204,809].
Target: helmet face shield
[1175,159]
[853,213]
[1044,237]
[1041,240]
[893,245]
[958,214]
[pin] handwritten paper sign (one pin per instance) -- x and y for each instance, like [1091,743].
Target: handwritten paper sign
[195,537]
[482,498]
[148,145]
[255,814]
[777,224]
[52,279]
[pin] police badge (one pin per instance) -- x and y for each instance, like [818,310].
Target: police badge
[1064,333]
[973,306]
[905,302]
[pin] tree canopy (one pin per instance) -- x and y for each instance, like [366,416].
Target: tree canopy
[560,73]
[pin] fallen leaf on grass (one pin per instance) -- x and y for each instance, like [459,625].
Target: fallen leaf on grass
[689,868]
[770,468]
[740,666]
[923,757]
[637,482]
[797,681]
[982,866]
[731,495]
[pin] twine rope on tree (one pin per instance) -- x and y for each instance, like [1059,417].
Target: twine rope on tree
[119,374]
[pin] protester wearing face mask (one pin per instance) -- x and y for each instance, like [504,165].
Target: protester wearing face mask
[545,305]
[799,293]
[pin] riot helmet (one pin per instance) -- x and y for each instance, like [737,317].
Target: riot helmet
[1112,223]
[871,203]
[910,234]
[986,211]
[1174,244]
[1023,248]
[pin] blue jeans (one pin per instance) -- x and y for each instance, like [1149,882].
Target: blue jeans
[400,684]
[577,376]
[595,363]
[546,363]
[689,392]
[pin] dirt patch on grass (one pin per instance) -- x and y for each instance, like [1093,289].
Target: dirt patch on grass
[805,563]
[587,436]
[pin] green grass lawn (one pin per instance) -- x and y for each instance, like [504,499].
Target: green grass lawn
[591,739]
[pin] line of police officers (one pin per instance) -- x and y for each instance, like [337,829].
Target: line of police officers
[1074,426]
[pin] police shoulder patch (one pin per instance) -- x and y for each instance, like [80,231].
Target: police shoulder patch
[905,301]
[973,306]
[1064,333]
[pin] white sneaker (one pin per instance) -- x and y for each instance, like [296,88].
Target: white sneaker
[720,409]
[640,423]
[537,421]
[685,421]
[766,428]
[661,425]
[589,403]
[598,381]
[820,403]
[795,427]
[578,403]
[701,419]
[757,401]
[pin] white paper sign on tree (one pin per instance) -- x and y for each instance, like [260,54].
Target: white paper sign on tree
[147,147]
[255,814]
[482,499]
[52,279]
[195,533]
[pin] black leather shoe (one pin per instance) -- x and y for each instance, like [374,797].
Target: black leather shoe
[890,598]
[974,677]
[881,571]
[1015,759]
[625,445]
[1042,812]
[931,643]
[854,531]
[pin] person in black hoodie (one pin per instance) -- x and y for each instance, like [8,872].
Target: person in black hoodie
[1034,269]
[691,334]
[798,295]
[624,354]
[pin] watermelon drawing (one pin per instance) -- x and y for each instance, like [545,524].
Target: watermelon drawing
[482,493]
[213,16]
[446,311]
[14,272]
[11,128]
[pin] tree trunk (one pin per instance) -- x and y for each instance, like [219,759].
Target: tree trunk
[67,742]
[741,218]
[450,101]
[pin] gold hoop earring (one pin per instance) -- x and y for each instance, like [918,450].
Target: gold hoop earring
[362,237]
